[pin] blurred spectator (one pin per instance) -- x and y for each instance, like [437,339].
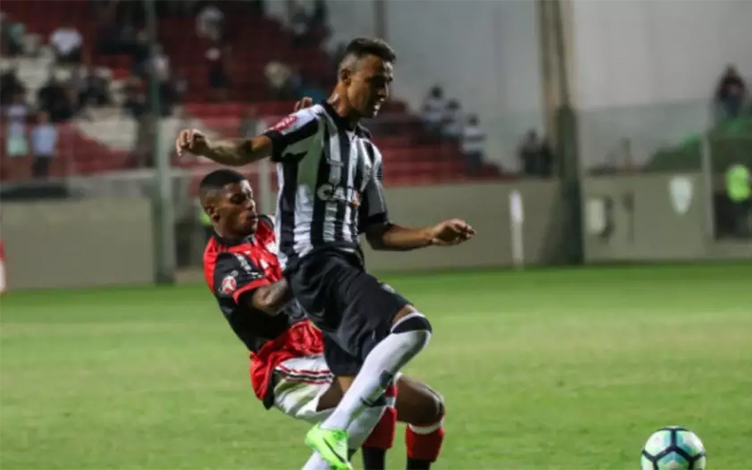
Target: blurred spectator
[135,99]
[453,121]
[159,69]
[473,145]
[320,14]
[140,51]
[739,192]
[248,123]
[67,42]
[10,87]
[318,28]
[535,156]
[107,29]
[92,86]
[218,56]
[15,116]
[55,99]
[12,37]
[434,109]
[210,23]
[731,93]
[281,80]
[179,85]
[43,145]
[308,30]
[160,64]
[299,22]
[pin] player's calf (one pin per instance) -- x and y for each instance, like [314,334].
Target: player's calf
[381,438]
[423,444]
[423,410]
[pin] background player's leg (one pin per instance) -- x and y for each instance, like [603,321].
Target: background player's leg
[409,334]
[423,410]
[382,436]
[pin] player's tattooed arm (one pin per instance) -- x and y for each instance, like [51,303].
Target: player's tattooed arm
[270,299]
[397,238]
[230,152]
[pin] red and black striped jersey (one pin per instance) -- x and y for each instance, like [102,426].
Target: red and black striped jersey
[234,268]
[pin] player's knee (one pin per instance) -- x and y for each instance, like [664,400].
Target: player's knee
[437,409]
[417,326]
[441,411]
[431,410]
[414,321]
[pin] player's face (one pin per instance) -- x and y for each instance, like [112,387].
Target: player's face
[237,210]
[369,85]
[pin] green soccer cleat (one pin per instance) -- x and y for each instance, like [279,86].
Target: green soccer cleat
[331,444]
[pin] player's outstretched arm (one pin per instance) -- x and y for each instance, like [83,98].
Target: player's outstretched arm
[397,238]
[231,152]
[270,299]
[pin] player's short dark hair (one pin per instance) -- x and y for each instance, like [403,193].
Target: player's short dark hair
[361,47]
[217,180]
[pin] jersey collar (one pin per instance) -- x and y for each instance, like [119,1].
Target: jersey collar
[232,241]
[342,123]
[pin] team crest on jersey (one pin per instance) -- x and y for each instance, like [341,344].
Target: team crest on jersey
[229,285]
[285,123]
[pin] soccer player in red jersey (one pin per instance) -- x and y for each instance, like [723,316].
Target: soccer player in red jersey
[288,369]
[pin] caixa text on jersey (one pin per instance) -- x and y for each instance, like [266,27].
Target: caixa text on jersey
[348,195]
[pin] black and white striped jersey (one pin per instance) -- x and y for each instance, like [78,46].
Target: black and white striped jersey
[330,182]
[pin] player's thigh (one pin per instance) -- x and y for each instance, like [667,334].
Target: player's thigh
[369,311]
[302,384]
[315,280]
[344,366]
[417,403]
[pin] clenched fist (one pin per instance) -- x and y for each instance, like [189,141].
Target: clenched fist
[193,141]
[451,232]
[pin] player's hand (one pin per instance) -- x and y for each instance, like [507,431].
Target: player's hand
[193,141]
[305,102]
[451,232]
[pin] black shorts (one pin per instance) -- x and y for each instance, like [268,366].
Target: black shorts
[352,308]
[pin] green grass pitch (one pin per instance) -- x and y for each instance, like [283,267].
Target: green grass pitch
[556,369]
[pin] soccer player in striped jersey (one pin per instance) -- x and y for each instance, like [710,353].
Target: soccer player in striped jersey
[288,371]
[330,178]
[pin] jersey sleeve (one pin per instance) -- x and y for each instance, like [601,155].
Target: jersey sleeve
[373,210]
[292,136]
[235,275]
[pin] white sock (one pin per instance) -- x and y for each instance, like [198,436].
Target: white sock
[315,462]
[409,336]
[360,427]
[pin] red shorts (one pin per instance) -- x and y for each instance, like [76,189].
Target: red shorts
[300,340]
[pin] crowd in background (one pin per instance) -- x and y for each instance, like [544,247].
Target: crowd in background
[76,85]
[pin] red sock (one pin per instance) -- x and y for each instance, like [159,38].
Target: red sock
[382,436]
[424,442]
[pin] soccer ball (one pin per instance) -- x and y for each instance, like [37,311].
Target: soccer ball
[673,448]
